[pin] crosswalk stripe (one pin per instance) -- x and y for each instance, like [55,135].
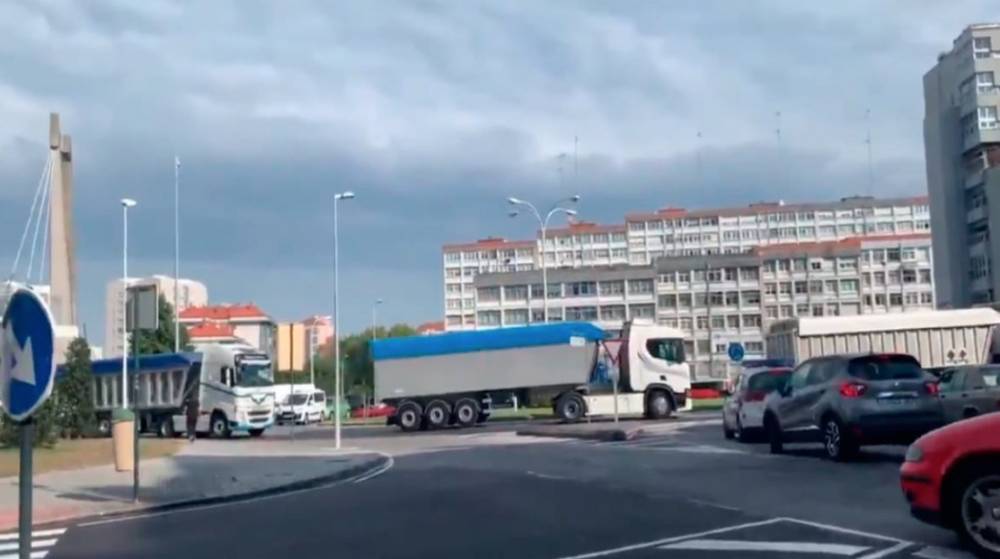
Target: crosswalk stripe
[36,534]
[34,555]
[34,543]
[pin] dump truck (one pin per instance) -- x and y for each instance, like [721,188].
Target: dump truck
[235,390]
[449,379]
[938,339]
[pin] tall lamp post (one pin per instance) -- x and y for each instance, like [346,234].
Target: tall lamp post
[177,253]
[346,195]
[374,337]
[543,222]
[126,204]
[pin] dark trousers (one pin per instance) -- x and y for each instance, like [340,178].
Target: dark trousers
[192,418]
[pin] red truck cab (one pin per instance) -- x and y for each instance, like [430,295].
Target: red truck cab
[951,477]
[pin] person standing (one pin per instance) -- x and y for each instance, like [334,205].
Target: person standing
[192,412]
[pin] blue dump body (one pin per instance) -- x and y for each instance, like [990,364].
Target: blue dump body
[485,340]
[156,362]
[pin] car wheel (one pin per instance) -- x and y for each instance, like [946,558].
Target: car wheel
[775,438]
[570,407]
[742,434]
[975,500]
[837,442]
[658,405]
[408,416]
[466,412]
[220,426]
[726,431]
[436,414]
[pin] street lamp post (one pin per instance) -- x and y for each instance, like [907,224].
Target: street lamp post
[346,195]
[126,204]
[374,337]
[544,224]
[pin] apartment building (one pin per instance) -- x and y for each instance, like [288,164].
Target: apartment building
[673,232]
[962,154]
[723,298]
[190,293]
[246,322]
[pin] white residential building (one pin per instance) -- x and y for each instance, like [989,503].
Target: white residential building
[724,298]
[191,293]
[962,153]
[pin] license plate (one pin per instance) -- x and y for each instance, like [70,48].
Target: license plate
[896,402]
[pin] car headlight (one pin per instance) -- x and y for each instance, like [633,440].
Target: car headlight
[914,454]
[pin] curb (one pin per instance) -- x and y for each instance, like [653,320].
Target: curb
[604,435]
[352,472]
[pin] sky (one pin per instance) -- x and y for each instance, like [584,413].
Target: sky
[433,113]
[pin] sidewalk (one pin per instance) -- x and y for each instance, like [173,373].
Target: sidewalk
[207,470]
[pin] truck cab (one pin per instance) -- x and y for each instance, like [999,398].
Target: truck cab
[236,392]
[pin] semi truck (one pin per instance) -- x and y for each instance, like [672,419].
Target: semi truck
[938,339]
[450,379]
[235,390]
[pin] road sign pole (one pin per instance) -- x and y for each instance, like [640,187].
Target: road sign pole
[135,419]
[24,480]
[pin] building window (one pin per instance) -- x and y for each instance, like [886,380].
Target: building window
[642,311]
[488,294]
[880,299]
[926,298]
[751,321]
[987,117]
[784,265]
[537,315]
[879,278]
[701,322]
[816,287]
[866,280]
[714,276]
[895,299]
[787,311]
[801,288]
[771,312]
[802,309]
[716,298]
[751,297]
[515,293]
[612,287]
[893,277]
[683,277]
[911,298]
[909,276]
[640,286]
[684,300]
[488,318]
[799,265]
[749,274]
[849,286]
[830,286]
[827,231]
[981,47]
[613,312]
[816,265]
[581,289]
[718,322]
[732,298]
[755,347]
[849,264]
[667,300]
[732,321]
[515,316]
[925,276]
[771,288]
[785,288]
[685,323]
[817,310]
[581,313]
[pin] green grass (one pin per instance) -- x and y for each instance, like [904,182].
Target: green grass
[521,413]
[81,453]
[707,404]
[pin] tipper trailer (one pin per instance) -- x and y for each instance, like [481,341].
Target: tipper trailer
[450,379]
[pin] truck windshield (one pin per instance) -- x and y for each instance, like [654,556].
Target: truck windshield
[254,374]
[667,349]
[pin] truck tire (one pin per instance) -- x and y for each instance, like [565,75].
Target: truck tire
[659,405]
[104,426]
[408,416]
[436,415]
[219,427]
[165,428]
[466,412]
[570,407]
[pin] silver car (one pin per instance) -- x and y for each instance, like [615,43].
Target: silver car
[743,410]
[846,401]
[969,391]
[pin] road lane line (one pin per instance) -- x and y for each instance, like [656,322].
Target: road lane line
[376,473]
[713,505]
[780,547]
[833,528]
[34,555]
[35,534]
[934,552]
[887,551]
[544,476]
[655,543]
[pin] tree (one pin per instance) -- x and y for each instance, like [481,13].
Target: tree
[74,393]
[161,340]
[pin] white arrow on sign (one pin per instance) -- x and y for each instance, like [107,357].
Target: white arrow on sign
[20,361]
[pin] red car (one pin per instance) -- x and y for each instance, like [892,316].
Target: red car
[951,477]
[378,410]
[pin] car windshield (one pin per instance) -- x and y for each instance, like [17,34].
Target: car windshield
[254,374]
[770,380]
[298,399]
[885,367]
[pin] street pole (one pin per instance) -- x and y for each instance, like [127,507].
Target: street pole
[312,356]
[126,204]
[336,316]
[24,490]
[135,404]
[545,279]
[177,253]
[372,352]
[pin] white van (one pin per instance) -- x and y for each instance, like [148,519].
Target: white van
[303,408]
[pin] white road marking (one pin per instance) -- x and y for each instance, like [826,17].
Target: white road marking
[934,552]
[543,476]
[35,534]
[34,543]
[229,504]
[655,543]
[34,555]
[388,465]
[850,531]
[779,547]
[713,505]
[887,551]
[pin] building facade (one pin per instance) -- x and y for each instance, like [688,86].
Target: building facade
[962,154]
[190,293]
[248,323]
[723,298]
[673,232]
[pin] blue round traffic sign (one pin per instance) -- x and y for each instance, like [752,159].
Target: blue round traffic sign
[736,351]
[27,354]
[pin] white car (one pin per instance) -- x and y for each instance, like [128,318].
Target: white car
[743,410]
[303,408]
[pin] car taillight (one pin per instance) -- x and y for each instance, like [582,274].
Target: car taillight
[932,388]
[754,396]
[852,389]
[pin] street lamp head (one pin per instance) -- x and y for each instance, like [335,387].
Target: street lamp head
[513,200]
[128,202]
[344,195]
[571,213]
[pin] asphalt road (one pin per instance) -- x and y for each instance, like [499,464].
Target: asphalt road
[679,491]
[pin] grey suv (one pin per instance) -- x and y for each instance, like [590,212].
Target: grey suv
[846,401]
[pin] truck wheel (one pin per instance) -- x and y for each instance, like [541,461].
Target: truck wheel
[570,407]
[220,426]
[437,414]
[466,412]
[165,428]
[658,405]
[408,416]
[104,426]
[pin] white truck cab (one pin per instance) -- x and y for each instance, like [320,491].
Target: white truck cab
[236,392]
